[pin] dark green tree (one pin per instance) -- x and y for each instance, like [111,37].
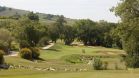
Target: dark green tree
[53,32]
[60,23]
[128,11]
[69,34]
[86,31]
[33,16]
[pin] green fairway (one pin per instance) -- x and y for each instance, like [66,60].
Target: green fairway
[60,50]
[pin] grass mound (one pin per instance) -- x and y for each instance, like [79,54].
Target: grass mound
[74,58]
[77,58]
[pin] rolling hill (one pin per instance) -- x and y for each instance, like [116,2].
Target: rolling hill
[44,18]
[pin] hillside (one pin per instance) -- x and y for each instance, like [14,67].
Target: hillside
[45,18]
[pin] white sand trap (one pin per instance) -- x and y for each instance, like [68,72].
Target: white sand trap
[110,53]
[48,46]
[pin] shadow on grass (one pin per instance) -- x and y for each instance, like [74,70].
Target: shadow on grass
[54,50]
[41,59]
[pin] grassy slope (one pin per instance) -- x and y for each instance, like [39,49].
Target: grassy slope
[53,56]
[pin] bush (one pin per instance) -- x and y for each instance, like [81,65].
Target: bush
[43,41]
[26,53]
[24,44]
[97,64]
[1,57]
[35,53]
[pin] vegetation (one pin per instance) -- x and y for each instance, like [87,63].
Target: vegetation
[43,41]
[26,53]
[5,40]
[79,46]
[97,65]
[35,52]
[127,10]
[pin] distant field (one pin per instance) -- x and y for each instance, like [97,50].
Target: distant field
[53,58]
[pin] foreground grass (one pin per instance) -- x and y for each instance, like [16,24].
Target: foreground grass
[92,74]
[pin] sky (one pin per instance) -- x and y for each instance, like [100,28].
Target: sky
[76,9]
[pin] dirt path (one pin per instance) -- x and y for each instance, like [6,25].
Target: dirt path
[13,53]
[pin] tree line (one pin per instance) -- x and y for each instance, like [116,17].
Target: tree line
[29,29]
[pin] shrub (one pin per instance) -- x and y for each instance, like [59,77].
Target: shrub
[24,44]
[97,64]
[26,53]
[43,41]
[35,52]
[1,57]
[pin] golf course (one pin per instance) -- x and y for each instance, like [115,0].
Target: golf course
[69,38]
[54,64]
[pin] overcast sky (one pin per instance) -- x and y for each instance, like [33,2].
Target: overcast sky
[92,9]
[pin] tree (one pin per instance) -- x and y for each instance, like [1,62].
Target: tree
[128,11]
[53,32]
[30,31]
[86,31]
[33,16]
[60,23]
[5,40]
[104,33]
[69,34]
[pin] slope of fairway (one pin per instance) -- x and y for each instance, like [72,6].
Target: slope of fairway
[59,50]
